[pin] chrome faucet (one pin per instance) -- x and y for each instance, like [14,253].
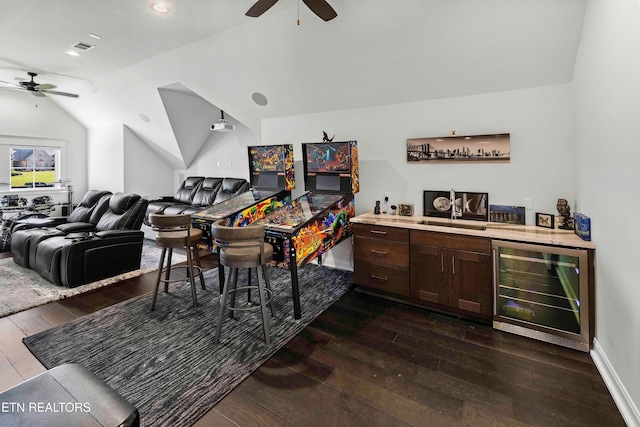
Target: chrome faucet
[455,213]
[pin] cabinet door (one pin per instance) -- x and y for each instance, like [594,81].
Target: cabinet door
[470,282]
[429,266]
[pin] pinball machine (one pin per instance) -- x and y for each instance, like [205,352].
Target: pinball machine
[272,179]
[315,222]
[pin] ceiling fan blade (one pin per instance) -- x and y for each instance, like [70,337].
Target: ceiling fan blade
[53,92]
[321,8]
[45,86]
[260,7]
[11,84]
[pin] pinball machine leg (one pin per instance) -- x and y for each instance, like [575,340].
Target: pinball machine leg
[295,290]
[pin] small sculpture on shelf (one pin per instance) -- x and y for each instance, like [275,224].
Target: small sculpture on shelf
[565,214]
[325,137]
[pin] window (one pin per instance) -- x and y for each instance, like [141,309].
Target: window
[33,167]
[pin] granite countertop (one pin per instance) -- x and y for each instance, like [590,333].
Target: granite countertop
[492,230]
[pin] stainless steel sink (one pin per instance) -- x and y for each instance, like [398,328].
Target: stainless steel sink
[454,224]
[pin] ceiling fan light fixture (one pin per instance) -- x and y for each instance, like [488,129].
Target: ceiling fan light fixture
[320,7]
[37,89]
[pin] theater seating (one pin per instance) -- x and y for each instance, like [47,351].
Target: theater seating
[83,218]
[197,193]
[110,247]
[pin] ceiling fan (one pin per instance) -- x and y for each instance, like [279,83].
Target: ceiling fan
[319,7]
[36,88]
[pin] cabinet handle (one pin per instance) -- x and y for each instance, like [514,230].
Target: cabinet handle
[442,263]
[453,265]
[383,253]
[378,232]
[373,276]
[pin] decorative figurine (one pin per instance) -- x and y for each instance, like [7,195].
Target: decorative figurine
[325,137]
[376,210]
[565,214]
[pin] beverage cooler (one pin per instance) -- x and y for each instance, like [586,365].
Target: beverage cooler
[542,292]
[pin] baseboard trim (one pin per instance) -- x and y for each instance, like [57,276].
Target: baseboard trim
[619,393]
[335,264]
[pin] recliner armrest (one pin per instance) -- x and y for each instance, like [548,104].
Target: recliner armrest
[74,227]
[106,234]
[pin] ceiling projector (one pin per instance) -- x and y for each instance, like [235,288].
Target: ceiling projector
[222,126]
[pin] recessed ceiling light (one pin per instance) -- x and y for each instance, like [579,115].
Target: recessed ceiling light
[72,53]
[144,117]
[160,8]
[95,36]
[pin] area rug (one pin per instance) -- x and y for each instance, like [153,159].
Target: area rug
[22,288]
[165,362]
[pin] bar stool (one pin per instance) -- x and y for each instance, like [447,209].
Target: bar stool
[175,231]
[243,247]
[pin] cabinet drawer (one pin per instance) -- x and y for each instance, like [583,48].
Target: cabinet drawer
[380,232]
[451,241]
[388,279]
[381,252]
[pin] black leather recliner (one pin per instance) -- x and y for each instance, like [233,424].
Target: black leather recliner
[113,247]
[197,193]
[231,187]
[83,218]
[202,198]
[184,196]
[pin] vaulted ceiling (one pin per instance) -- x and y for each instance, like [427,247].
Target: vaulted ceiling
[376,52]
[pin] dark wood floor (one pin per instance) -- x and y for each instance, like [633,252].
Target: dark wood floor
[369,362]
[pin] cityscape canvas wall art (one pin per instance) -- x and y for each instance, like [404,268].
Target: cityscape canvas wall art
[471,148]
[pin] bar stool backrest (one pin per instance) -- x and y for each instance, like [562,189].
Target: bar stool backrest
[169,227]
[228,238]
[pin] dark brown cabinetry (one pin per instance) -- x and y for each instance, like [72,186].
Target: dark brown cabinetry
[443,271]
[453,272]
[381,258]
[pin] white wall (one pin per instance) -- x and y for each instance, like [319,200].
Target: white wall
[145,172]
[606,128]
[105,158]
[119,160]
[539,121]
[23,115]
[541,167]
[225,154]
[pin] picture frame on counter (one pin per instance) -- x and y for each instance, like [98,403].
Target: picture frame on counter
[507,214]
[582,225]
[545,220]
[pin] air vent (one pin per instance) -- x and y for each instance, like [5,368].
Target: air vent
[83,46]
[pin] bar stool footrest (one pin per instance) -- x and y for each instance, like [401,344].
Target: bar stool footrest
[196,272]
[253,306]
